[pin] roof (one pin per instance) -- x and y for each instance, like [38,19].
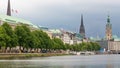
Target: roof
[95,39]
[116,38]
[78,36]
[11,19]
[43,28]
[56,31]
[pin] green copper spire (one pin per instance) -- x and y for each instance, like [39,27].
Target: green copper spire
[108,19]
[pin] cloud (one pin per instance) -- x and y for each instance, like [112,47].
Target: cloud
[66,13]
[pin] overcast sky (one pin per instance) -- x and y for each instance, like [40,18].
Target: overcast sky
[65,14]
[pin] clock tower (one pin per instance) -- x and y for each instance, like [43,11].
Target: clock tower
[108,29]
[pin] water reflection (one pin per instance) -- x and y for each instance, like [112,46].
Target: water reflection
[94,61]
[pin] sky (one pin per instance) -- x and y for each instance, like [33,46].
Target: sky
[65,14]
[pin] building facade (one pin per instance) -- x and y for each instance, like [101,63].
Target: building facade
[114,45]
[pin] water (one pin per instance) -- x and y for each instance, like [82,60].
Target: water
[92,61]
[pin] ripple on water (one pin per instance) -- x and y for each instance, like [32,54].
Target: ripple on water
[93,61]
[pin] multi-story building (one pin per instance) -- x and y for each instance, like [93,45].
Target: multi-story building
[56,33]
[113,46]
[66,36]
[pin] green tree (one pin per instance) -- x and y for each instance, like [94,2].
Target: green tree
[67,46]
[3,37]
[96,46]
[21,35]
[38,36]
[28,36]
[12,42]
[58,44]
[35,41]
[45,41]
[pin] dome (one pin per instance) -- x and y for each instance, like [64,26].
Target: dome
[114,36]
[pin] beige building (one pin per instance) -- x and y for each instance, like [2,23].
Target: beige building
[114,45]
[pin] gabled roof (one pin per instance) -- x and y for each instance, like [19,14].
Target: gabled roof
[78,35]
[56,31]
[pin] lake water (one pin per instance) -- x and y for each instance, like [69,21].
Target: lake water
[92,61]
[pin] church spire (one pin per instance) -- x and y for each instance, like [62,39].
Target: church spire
[9,9]
[82,29]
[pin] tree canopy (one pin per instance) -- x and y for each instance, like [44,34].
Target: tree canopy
[25,38]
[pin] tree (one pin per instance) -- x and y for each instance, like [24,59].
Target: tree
[96,46]
[67,46]
[21,35]
[46,40]
[58,44]
[3,37]
[28,36]
[86,46]
[35,41]
[37,36]
[12,42]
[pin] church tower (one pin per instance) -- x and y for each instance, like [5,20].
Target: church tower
[9,9]
[82,29]
[108,29]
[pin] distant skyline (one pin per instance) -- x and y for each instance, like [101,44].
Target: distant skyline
[66,14]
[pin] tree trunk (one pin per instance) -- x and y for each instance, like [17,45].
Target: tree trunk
[30,50]
[20,49]
[41,49]
[10,49]
[5,51]
[0,47]
[23,50]
[27,50]
[37,50]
